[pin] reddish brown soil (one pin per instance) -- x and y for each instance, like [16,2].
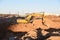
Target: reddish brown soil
[51,21]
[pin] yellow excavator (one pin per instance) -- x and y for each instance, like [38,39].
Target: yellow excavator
[29,17]
[26,20]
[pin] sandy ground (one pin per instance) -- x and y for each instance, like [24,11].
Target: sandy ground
[54,38]
[49,22]
[53,22]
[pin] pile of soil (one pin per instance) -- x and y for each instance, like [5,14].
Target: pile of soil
[39,29]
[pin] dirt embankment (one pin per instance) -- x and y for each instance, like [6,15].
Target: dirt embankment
[49,22]
[49,26]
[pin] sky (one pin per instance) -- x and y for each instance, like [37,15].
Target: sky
[26,6]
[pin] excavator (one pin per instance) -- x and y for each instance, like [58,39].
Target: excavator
[29,17]
[25,20]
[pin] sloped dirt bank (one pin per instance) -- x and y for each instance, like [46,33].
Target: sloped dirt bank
[37,30]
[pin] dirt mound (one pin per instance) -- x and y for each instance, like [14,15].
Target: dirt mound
[49,22]
[39,29]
